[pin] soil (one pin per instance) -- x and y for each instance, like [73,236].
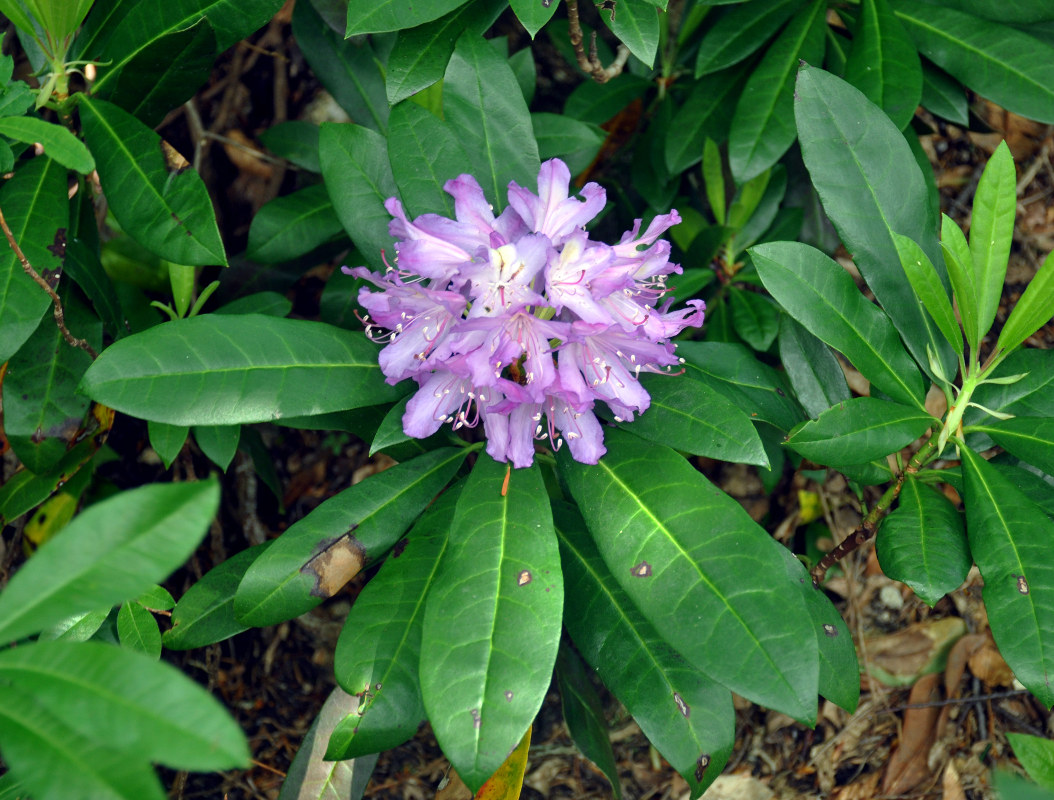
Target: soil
[932,737]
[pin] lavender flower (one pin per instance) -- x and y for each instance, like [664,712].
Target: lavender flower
[506,320]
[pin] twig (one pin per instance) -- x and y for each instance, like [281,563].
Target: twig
[591,63]
[60,318]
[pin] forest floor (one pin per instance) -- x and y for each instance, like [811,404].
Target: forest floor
[912,735]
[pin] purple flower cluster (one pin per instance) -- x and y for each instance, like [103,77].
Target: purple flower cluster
[506,319]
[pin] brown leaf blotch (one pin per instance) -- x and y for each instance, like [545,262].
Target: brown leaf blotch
[524,577]
[641,570]
[682,706]
[334,563]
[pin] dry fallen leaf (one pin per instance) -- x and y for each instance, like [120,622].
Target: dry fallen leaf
[907,766]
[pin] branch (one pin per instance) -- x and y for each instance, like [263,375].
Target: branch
[60,319]
[591,63]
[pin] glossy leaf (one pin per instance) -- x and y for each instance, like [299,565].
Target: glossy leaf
[111,552]
[1033,310]
[46,756]
[42,413]
[884,64]
[637,664]
[636,25]
[348,69]
[223,369]
[35,207]
[1036,756]
[821,295]
[599,102]
[378,16]
[421,53]
[991,232]
[166,74]
[858,430]
[482,101]
[296,141]
[755,318]
[1010,68]
[1009,539]
[293,225]
[379,648]
[1029,438]
[59,144]
[317,555]
[168,211]
[559,136]
[533,14]
[424,153]
[310,776]
[137,630]
[79,627]
[690,416]
[167,440]
[270,303]
[931,292]
[82,265]
[359,179]
[812,368]
[763,123]
[584,715]
[923,543]
[218,442]
[1032,396]
[740,32]
[747,627]
[507,781]
[960,273]
[871,186]
[758,389]
[492,619]
[943,95]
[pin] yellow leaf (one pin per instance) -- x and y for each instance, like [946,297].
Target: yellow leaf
[507,780]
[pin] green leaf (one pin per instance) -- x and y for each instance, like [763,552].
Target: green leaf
[79,627]
[943,95]
[318,554]
[482,101]
[1010,68]
[167,440]
[130,700]
[24,490]
[755,318]
[424,153]
[137,630]
[379,16]
[991,232]
[1036,756]
[348,69]
[59,18]
[636,25]
[960,273]
[560,136]
[533,14]
[492,619]
[296,141]
[42,414]
[763,123]
[1010,541]
[310,776]
[379,648]
[584,715]
[821,295]
[812,368]
[59,144]
[223,369]
[168,212]
[688,415]
[156,598]
[884,64]
[218,442]
[293,225]
[1029,438]
[871,187]
[111,552]
[270,303]
[756,388]
[205,614]
[637,664]
[713,179]
[931,292]
[82,265]
[420,55]
[740,32]
[166,74]
[858,430]
[359,180]
[1033,310]
[36,209]
[923,543]
[599,102]
[47,756]
[747,626]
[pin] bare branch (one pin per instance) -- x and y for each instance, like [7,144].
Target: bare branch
[591,63]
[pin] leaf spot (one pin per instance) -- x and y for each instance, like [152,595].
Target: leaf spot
[701,765]
[399,547]
[682,706]
[1022,584]
[524,578]
[508,695]
[334,563]
[476,720]
[830,630]
[641,570]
